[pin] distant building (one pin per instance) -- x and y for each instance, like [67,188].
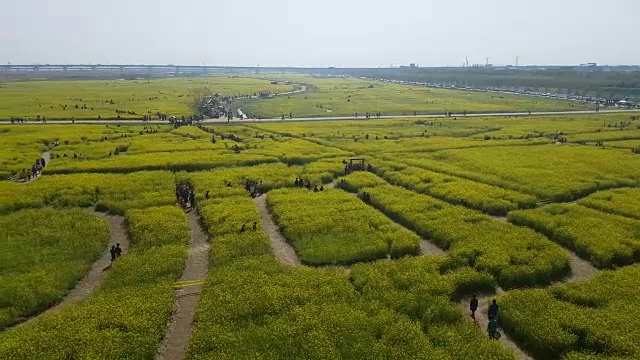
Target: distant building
[625,103]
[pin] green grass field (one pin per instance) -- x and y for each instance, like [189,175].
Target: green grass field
[90,99]
[532,206]
[103,97]
[347,96]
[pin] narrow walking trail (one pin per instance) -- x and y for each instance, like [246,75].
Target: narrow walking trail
[174,345]
[281,248]
[482,321]
[92,280]
[47,158]
[429,248]
[580,269]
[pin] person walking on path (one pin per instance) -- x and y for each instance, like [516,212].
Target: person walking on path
[117,251]
[473,306]
[113,253]
[493,310]
[492,329]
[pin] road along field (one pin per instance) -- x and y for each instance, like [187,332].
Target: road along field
[288,249]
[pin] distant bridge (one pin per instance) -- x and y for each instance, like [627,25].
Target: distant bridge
[176,69]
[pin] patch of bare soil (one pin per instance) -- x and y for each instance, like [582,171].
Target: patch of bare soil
[174,345]
[281,248]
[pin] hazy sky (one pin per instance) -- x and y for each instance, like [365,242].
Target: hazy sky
[319,32]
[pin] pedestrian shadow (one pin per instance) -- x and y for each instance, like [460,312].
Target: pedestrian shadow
[107,268]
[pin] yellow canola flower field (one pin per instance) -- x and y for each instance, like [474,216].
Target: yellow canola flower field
[127,317]
[455,190]
[550,172]
[45,252]
[333,227]
[109,192]
[252,306]
[515,256]
[624,201]
[268,177]
[589,320]
[605,240]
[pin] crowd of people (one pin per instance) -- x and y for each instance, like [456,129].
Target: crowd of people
[116,252]
[351,167]
[253,187]
[21,120]
[254,227]
[300,183]
[365,197]
[36,169]
[185,196]
[369,115]
[492,315]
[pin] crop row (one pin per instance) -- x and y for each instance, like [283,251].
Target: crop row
[113,192]
[458,191]
[515,256]
[174,161]
[624,201]
[594,319]
[332,227]
[428,141]
[267,177]
[22,145]
[555,172]
[127,317]
[156,143]
[45,252]
[605,240]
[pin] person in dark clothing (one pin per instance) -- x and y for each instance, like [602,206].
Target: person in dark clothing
[321,188]
[255,226]
[243,228]
[113,253]
[473,306]
[206,195]
[117,250]
[192,199]
[315,189]
[493,309]
[492,329]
